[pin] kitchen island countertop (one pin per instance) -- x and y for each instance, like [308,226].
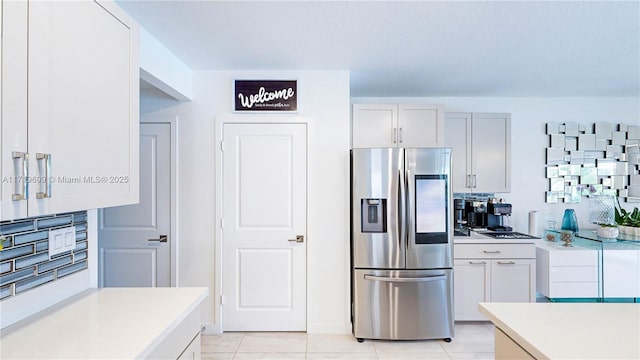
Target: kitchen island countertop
[113,323]
[570,330]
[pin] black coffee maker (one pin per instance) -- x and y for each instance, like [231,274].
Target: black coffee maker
[496,213]
[476,212]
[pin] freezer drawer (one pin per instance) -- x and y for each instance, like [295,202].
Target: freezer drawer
[403,304]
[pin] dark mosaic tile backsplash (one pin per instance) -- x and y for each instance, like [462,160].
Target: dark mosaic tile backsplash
[25,262]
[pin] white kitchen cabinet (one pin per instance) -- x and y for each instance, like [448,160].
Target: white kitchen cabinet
[75,117]
[193,351]
[471,286]
[513,280]
[611,271]
[621,271]
[492,272]
[391,125]
[566,272]
[481,158]
[1,61]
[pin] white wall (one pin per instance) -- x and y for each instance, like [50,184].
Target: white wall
[323,100]
[161,68]
[528,142]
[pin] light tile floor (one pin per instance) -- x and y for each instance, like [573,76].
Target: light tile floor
[471,341]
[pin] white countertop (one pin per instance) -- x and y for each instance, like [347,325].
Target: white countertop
[570,330]
[478,238]
[559,246]
[114,323]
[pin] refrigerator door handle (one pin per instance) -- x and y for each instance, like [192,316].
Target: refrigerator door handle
[406,279]
[402,211]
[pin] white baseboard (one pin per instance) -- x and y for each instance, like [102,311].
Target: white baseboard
[215,329]
[331,328]
[211,329]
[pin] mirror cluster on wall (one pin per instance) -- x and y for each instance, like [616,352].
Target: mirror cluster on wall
[602,159]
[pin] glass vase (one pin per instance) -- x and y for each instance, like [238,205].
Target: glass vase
[602,209]
[569,220]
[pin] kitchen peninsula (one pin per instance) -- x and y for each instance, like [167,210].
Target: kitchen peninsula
[112,323]
[565,331]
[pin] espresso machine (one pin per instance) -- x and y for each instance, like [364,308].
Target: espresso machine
[476,212]
[460,226]
[496,213]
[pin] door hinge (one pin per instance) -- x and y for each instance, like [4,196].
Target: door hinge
[221,145]
[221,299]
[221,223]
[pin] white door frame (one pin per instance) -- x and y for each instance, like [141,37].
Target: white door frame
[173,123]
[253,118]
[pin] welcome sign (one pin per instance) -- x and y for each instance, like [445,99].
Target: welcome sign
[266,95]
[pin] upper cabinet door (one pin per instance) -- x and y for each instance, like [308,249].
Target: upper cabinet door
[420,126]
[458,137]
[13,107]
[481,155]
[374,125]
[83,106]
[491,152]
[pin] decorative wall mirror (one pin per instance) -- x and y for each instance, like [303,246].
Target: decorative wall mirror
[603,159]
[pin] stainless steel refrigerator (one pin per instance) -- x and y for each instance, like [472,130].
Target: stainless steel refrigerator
[401,244]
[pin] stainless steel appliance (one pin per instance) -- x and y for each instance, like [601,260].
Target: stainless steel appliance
[476,211]
[401,242]
[496,213]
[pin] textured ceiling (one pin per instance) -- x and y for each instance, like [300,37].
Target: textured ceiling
[414,48]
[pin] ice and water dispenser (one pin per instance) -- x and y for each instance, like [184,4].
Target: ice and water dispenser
[374,215]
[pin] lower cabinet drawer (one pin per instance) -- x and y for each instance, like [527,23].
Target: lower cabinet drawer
[573,257]
[573,273]
[573,289]
[494,251]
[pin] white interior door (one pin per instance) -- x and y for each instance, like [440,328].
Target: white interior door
[264,210]
[134,240]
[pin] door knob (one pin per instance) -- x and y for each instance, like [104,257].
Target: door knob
[299,238]
[163,238]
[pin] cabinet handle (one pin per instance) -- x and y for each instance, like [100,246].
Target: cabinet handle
[475,180]
[492,252]
[506,262]
[45,182]
[469,181]
[395,135]
[22,174]
[400,136]
[478,262]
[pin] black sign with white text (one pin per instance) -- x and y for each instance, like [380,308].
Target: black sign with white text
[266,95]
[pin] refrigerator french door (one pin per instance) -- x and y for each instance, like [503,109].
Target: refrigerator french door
[401,242]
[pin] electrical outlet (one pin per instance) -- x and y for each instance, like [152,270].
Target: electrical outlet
[62,240]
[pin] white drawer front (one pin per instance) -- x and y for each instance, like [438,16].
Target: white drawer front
[573,258]
[573,273]
[573,289]
[494,251]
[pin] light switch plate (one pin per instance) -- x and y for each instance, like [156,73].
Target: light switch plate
[62,240]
